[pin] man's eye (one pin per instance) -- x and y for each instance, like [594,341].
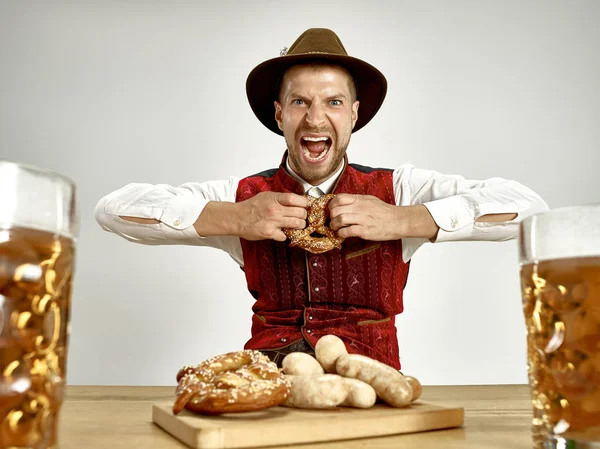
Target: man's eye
[335,102]
[297,101]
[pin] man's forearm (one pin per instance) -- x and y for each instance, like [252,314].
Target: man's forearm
[217,218]
[417,222]
[139,220]
[496,218]
[258,218]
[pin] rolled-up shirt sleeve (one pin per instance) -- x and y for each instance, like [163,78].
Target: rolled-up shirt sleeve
[176,208]
[455,203]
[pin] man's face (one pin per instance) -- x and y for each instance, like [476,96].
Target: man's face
[316,112]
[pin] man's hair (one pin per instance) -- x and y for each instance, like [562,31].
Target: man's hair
[315,64]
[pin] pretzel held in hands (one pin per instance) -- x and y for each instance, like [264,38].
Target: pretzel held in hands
[240,381]
[317,218]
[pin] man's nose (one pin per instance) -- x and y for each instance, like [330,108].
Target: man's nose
[315,115]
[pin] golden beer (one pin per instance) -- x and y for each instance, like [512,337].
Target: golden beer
[560,281]
[35,293]
[561,303]
[38,226]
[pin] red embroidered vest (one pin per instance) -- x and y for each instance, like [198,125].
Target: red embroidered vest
[354,293]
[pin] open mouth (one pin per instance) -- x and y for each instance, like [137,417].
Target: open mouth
[315,149]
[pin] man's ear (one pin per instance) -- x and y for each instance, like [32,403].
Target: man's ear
[355,112]
[278,114]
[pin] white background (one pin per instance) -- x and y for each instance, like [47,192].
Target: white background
[115,92]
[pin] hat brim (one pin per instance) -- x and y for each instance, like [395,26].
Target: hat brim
[263,81]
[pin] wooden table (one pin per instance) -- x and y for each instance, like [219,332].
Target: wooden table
[496,416]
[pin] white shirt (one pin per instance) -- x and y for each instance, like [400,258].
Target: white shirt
[454,202]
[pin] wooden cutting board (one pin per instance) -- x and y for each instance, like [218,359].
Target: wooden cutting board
[283,425]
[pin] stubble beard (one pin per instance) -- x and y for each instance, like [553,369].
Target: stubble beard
[316,175]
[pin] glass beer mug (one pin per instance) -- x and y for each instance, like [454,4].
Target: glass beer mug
[559,255]
[38,227]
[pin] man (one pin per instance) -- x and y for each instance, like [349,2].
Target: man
[316,96]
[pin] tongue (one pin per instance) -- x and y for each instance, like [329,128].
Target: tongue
[316,147]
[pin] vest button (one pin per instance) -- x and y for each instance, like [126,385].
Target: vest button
[315,264]
[283,340]
[310,317]
[316,289]
[308,331]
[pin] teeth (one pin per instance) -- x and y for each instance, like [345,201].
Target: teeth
[315,139]
[321,155]
[315,159]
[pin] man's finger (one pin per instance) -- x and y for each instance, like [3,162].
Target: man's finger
[279,236]
[342,199]
[292,199]
[350,231]
[344,220]
[295,212]
[292,223]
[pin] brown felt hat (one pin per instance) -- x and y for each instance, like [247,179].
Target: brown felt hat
[315,44]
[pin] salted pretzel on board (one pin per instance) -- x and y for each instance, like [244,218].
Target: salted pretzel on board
[241,381]
[318,214]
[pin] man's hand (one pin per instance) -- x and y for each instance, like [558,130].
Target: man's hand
[265,215]
[261,217]
[370,218]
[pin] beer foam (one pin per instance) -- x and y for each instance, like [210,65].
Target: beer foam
[38,199]
[560,234]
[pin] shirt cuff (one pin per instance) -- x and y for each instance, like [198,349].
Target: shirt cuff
[454,218]
[182,212]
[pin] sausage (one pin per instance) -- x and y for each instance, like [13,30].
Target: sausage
[360,394]
[316,392]
[301,364]
[327,351]
[389,384]
[416,386]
